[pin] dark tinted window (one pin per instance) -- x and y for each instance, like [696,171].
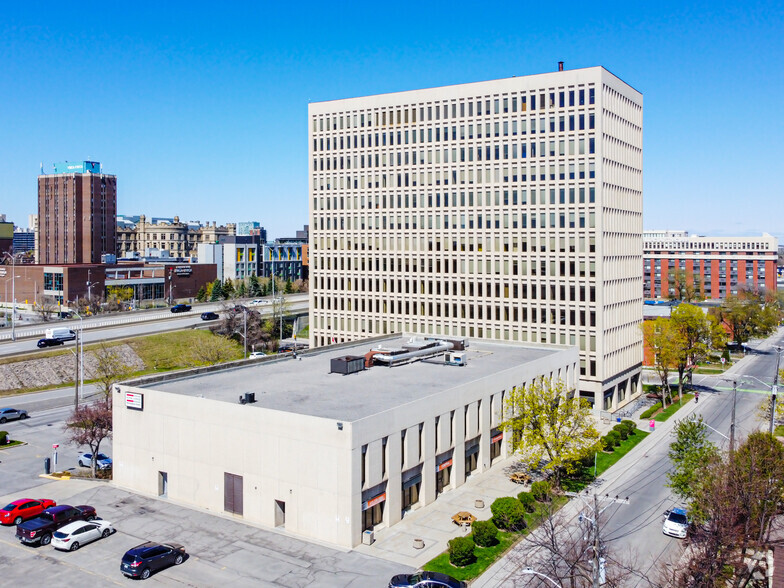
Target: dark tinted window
[155,551]
[9,507]
[129,558]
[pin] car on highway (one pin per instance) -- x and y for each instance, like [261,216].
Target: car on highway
[11,414]
[425,580]
[49,343]
[181,308]
[676,523]
[209,316]
[18,511]
[102,461]
[73,535]
[256,354]
[141,561]
[259,302]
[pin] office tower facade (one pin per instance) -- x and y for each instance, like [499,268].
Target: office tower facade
[77,214]
[507,210]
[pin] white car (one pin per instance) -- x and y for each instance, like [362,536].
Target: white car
[259,302]
[676,523]
[102,461]
[256,355]
[73,535]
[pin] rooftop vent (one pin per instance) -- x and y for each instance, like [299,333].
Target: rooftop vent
[348,364]
[248,398]
[560,66]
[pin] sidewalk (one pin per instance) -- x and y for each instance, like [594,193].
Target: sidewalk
[433,523]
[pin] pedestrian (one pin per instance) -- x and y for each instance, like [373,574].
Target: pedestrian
[651,425]
[696,397]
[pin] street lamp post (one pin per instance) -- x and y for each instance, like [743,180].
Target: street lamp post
[532,572]
[79,380]
[13,293]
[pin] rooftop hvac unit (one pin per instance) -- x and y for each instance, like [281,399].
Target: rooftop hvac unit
[348,364]
[249,398]
[455,358]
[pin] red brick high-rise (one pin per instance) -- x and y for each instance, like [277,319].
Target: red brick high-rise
[77,214]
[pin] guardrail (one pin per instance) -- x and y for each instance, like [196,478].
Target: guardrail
[27,332]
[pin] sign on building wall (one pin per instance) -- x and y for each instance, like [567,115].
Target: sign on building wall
[134,401]
[183,270]
[374,501]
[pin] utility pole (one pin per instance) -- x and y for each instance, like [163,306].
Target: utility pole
[598,561]
[76,376]
[732,422]
[774,389]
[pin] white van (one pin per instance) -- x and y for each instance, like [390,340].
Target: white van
[61,334]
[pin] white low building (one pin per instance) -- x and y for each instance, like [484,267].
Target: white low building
[327,454]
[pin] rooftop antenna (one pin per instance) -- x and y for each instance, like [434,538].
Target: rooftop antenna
[42,168]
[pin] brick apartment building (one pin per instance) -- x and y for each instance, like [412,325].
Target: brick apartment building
[721,265]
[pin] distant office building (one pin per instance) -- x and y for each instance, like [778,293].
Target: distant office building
[714,266]
[24,240]
[252,228]
[236,256]
[77,209]
[177,239]
[6,236]
[507,210]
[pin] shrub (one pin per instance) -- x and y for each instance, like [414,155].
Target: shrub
[631,426]
[541,491]
[461,551]
[649,413]
[508,513]
[622,431]
[527,500]
[607,443]
[3,437]
[616,437]
[485,533]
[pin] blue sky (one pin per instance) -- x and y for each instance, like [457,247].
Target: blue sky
[201,108]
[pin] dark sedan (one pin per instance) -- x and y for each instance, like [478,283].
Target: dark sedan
[145,559]
[209,316]
[181,308]
[425,580]
[49,343]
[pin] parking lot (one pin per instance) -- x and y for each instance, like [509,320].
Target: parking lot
[221,551]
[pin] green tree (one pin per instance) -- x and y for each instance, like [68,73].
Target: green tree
[690,454]
[547,421]
[201,295]
[288,288]
[217,291]
[254,288]
[684,285]
[699,333]
[666,343]
[228,289]
[749,314]
[241,289]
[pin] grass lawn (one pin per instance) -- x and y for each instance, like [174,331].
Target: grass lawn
[485,556]
[11,444]
[673,408]
[169,351]
[604,461]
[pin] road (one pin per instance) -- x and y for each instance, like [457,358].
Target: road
[633,532]
[637,527]
[119,326]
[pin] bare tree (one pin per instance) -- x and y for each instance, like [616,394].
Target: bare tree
[562,548]
[90,424]
[109,368]
[45,306]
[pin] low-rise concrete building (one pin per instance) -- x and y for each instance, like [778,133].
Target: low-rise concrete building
[328,449]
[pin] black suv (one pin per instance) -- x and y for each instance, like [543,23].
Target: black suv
[180,308]
[209,316]
[49,343]
[142,560]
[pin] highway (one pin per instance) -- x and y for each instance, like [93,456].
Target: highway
[130,324]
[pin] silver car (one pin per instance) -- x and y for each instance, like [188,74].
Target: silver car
[73,535]
[10,414]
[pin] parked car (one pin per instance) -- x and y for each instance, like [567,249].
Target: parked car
[49,343]
[23,509]
[102,462]
[73,535]
[142,560]
[40,529]
[181,308]
[11,414]
[676,523]
[425,580]
[209,316]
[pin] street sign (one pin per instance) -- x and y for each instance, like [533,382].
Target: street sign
[774,390]
[55,445]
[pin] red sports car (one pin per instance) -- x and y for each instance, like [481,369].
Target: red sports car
[21,510]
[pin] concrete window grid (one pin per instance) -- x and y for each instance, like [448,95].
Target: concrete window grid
[350,209]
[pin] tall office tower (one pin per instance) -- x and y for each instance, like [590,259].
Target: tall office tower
[507,210]
[77,214]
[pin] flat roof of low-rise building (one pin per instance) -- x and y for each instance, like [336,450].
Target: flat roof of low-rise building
[305,385]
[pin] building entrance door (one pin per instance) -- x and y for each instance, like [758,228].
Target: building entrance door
[232,493]
[163,484]
[280,513]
